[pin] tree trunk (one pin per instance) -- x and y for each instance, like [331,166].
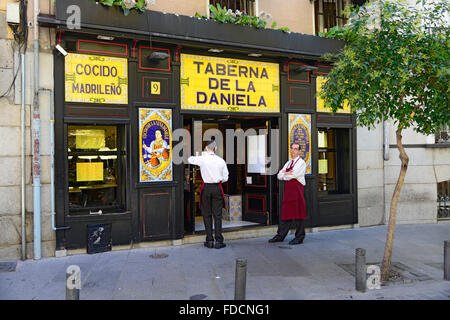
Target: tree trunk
[386,264]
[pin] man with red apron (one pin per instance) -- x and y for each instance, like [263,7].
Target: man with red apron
[214,171]
[293,211]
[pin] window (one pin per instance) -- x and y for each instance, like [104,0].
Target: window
[95,167]
[443,199]
[330,13]
[443,135]
[246,6]
[334,160]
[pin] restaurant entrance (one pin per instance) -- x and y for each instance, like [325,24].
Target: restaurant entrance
[246,144]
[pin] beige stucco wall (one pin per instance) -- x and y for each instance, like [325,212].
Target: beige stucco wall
[377,177]
[297,15]
[10,144]
[186,7]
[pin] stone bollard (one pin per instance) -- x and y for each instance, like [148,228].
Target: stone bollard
[360,269]
[73,282]
[241,278]
[447,260]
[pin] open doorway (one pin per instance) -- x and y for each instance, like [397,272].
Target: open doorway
[250,191]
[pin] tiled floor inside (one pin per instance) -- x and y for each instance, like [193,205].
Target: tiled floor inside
[199,225]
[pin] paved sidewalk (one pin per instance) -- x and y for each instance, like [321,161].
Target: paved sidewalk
[312,270]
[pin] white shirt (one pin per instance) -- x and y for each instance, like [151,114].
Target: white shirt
[298,171]
[212,167]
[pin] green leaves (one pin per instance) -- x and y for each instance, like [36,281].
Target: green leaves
[126,5]
[395,65]
[225,15]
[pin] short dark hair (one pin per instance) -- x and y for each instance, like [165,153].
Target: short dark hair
[299,146]
[211,145]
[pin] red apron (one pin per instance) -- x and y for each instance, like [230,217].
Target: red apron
[293,201]
[200,196]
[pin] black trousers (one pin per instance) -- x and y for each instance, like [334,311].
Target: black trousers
[285,225]
[211,206]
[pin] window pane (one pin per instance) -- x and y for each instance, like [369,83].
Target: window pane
[334,160]
[92,138]
[93,168]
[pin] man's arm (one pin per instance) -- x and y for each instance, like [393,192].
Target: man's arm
[298,171]
[195,160]
[280,174]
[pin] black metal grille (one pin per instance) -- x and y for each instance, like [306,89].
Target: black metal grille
[443,136]
[329,13]
[443,199]
[241,5]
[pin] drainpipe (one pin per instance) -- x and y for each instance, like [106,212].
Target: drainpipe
[23,163]
[52,160]
[36,139]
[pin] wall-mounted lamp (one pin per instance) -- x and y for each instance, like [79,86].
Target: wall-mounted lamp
[157,56]
[255,55]
[102,37]
[304,68]
[215,50]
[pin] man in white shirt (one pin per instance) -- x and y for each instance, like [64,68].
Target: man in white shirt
[214,171]
[293,211]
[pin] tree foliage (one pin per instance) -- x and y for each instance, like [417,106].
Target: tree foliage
[395,65]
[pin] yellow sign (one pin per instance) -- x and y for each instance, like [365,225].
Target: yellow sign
[155,87]
[323,166]
[320,102]
[90,139]
[96,79]
[224,84]
[89,171]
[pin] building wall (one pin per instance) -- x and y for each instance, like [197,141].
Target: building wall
[10,144]
[187,7]
[297,15]
[427,167]
[377,178]
[370,170]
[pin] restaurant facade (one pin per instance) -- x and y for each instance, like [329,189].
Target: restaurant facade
[136,95]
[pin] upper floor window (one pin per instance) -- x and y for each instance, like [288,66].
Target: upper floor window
[247,6]
[443,135]
[330,13]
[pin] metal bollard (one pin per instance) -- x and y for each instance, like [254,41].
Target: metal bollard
[73,282]
[241,278]
[360,270]
[447,260]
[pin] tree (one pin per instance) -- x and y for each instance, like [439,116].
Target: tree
[394,65]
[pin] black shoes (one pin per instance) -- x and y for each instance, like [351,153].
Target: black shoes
[209,244]
[220,245]
[295,241]
[276,239]
[217,245]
